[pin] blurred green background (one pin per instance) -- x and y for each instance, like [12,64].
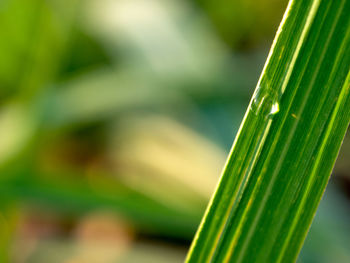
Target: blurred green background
[115,120]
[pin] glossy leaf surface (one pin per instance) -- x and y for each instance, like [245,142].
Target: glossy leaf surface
[288,142]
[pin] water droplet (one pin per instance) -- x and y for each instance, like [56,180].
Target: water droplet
[265,102]
[274,109]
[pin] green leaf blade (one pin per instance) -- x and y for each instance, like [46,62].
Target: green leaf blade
[288,142]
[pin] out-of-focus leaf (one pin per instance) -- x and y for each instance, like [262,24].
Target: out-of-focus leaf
[74,195]
[17,126]
[160,156]
[34,34]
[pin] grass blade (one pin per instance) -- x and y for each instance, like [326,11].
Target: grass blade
[288,142]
